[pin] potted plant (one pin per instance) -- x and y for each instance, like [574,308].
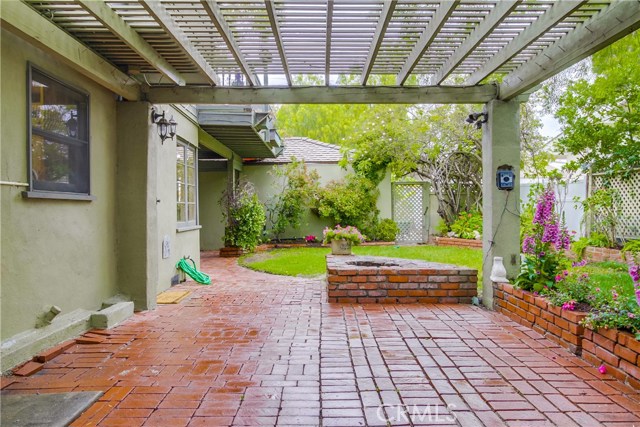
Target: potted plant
[342,238]
[244,217]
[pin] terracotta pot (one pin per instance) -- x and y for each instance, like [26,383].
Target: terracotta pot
[340,247]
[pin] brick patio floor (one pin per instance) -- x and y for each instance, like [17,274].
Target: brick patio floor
[255,349]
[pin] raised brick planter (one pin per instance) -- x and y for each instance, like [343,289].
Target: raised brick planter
[454,241]
[560,326]
[369,279]
[618,351]
[594,254]
[231,252]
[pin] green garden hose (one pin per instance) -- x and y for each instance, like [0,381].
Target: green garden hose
[196,275]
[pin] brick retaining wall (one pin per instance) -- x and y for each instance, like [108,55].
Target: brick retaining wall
[457,242]
[618,350]
[594,254]
[560,326]
[394,281]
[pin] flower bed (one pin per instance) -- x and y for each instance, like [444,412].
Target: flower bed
[560,326]
[457,242]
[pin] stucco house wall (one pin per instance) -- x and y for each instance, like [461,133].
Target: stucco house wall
[76,254]
[54,252]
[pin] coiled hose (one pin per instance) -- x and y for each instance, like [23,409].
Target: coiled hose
[196,275]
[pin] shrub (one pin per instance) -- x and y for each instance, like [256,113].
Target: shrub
[297,189]
[604,209]
[244,216]
[385,231]
[351,200]
[468,225]
[631,250]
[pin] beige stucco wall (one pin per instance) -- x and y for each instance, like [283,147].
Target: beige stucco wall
[54,252]
[212,184]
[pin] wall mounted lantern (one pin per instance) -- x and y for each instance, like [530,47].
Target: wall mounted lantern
[166,128]
[478,119]
[72,125]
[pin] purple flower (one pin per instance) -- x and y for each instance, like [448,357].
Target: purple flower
[528,245]
[544,208]
[634,272]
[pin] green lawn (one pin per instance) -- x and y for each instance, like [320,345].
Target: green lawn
[311,261]
[606,275]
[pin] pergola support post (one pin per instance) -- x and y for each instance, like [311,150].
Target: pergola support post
[501,221]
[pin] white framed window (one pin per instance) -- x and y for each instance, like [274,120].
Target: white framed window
[186,184]
[58,135]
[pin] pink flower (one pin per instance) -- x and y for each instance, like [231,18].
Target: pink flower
[631,315]
[602,369]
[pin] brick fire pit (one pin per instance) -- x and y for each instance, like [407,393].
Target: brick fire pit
[369,279]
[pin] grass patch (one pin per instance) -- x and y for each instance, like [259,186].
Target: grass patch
[311,261]
[607,275]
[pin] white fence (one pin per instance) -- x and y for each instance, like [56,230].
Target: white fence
[573,212]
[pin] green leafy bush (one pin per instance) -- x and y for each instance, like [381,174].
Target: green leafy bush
[244,216]
[631,250]
[297,188]
[385,231]
[468,225]
[604,209]
[348,233]
[351,200]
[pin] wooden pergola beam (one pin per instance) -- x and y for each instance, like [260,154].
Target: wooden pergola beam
[327,52]
[22,20]
[160,14]
[618,20]
[501,10]
[383,22]
[443,12]
[323,95]
[275,28]
[216,16]
[119,27]
[551,17]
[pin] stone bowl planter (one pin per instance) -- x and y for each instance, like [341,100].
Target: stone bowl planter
[340,247]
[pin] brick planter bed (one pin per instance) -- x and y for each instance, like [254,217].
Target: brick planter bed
[560,326]
[595,254]
[369,279]
[456,242]
[618,350]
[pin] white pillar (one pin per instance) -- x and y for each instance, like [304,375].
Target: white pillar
[501,225]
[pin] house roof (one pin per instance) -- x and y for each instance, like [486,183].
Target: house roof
[306,149]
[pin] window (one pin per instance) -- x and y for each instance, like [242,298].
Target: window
[186,183]
[59,137]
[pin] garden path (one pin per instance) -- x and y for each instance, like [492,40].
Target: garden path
[256,349]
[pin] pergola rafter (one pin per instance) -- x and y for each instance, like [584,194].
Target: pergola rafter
[383,22]
[441,42]
[275,28]
[128,35]
[327,52]
[498,14]
[551,17]
[160,15]
[438,20]
[217,18]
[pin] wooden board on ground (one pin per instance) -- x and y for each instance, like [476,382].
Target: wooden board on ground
[172,297]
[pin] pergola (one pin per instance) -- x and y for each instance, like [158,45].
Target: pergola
[250,52]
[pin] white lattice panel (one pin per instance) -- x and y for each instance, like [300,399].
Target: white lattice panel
[408,211]
[629,190]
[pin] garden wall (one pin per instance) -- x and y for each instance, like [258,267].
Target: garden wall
[457,242]
[368,279]
[619,351]
[594,254]
[560,326]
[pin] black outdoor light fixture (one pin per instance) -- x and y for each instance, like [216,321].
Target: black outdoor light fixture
[72,125]
[166,128]
[478,119]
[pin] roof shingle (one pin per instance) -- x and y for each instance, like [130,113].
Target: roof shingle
[306,149]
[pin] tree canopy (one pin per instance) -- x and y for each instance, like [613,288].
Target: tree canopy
[600,113]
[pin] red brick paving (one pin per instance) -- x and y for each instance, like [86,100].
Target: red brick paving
[255,349]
